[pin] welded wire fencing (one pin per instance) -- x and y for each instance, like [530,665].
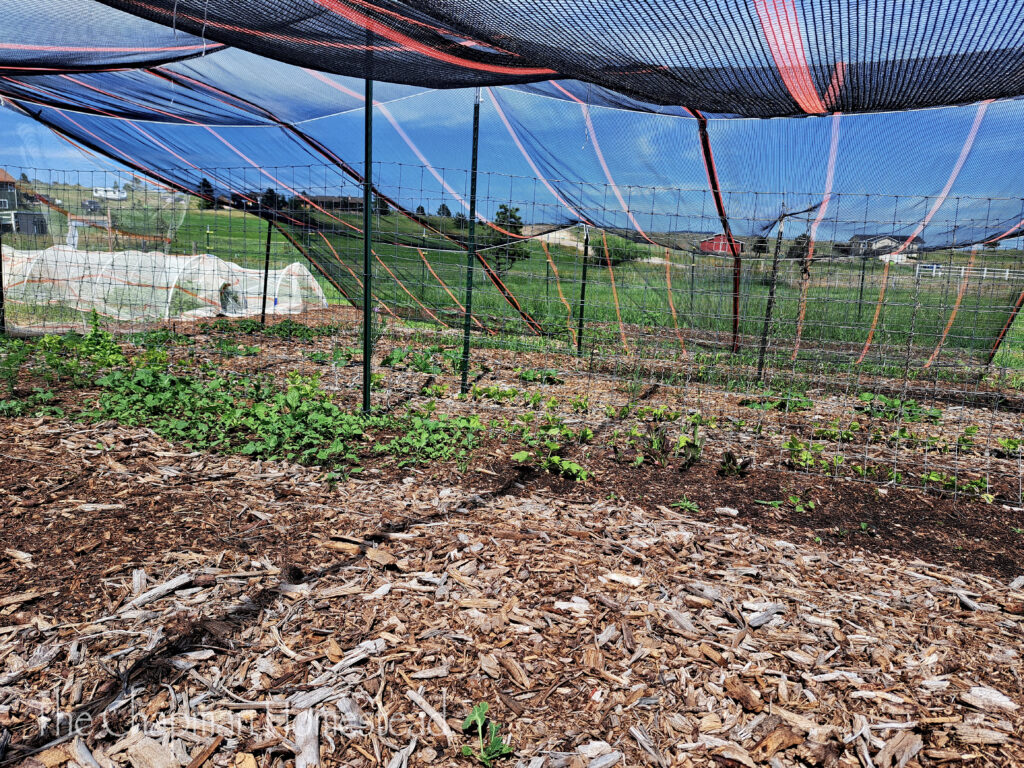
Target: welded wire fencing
[825,333]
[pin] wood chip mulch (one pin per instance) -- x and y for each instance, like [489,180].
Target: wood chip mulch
[161,609]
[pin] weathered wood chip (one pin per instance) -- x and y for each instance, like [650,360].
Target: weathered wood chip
[149,753]
[307,738]
[381,557]
[782,737]
[489,664]
[744,694]
[973,734]
[733,756]
[988,699]
[899,750]
[515,671]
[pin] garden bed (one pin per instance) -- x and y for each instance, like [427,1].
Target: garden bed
[190,601]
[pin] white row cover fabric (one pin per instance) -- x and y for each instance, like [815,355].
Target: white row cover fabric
[134,286]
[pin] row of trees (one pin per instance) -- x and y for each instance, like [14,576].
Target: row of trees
[502,240]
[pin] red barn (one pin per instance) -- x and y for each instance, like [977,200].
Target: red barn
[719,245]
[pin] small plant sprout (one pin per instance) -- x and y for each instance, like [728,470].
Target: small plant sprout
[490,745]
[686,505]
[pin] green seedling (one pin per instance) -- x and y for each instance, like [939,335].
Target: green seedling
[490,747]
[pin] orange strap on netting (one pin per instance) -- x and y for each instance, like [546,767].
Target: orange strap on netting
[447,290]
[558,285]
[384,306]
[671,302]
[956,308]
[878,311]
[805,278]
[615,293]
[411,296]
[1006,327]
[965,151]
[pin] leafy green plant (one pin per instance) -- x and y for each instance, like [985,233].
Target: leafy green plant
[1009,447]
[657,413]
[39,403]
[338,356]
[699,420]
[434,390]
[799,505]
[490,747]
[160,337]
[230,348]
[13,355]
[895,409]
[542,376]
[782,401]
[395,357]
[690,448]
[832,465]
[424,362]
[580,404]
[802,455]
[430,438]
[493,392]
[686,505]
[835,431]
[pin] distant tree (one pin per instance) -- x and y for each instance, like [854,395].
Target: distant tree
[760,245]
[799,248]
[205,190]
[114,186]
[508,219]
[444,211]
[460,220]
[380,206]
[23,178]
[272,201]
[842,250]
[420,211]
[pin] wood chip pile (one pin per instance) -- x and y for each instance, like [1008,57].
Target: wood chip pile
[601,634]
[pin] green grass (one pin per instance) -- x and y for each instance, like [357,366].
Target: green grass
[839,312]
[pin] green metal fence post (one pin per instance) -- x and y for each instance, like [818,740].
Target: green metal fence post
[583,290]
[471,244]
[3,310]
[266,274]
[367,243]
[771,299]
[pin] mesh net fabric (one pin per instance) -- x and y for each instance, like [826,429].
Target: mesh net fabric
[644,144]
[757,58]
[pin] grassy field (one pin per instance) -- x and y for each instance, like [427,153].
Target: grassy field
[628,302]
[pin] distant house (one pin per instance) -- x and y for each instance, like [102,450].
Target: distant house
[877,245]
[11,218]
[336,203]
[719,245]
[8,201]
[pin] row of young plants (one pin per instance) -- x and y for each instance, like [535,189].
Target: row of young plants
[205,408]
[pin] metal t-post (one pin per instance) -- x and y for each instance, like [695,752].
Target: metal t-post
[771,299]
[471,244]
[860,297]
[583,290]
[266,274]
[3,311]
[367,243]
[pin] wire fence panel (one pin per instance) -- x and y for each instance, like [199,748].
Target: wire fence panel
[831,338]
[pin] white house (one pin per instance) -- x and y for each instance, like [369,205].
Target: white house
[877,245]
